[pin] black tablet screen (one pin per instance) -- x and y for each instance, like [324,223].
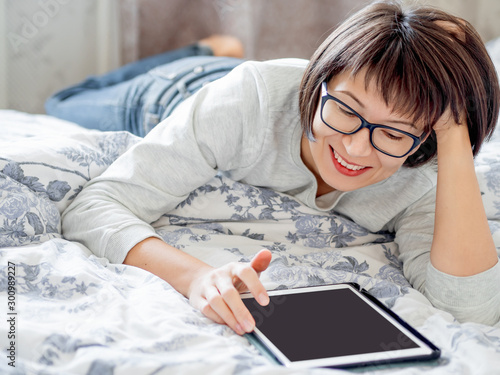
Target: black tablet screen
[323,324]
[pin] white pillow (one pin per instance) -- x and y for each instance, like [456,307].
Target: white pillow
[41,174]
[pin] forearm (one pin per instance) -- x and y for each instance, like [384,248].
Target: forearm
[172,265]
[462,243]
[215,292]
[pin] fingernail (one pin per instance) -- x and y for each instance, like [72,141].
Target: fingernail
[239,330]
[248,325]
[263,299]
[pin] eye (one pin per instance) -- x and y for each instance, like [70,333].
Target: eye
[393,136]
[345,111]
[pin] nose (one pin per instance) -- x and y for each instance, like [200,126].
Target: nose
[358,144]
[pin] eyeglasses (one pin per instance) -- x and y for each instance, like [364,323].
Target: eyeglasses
[388,140]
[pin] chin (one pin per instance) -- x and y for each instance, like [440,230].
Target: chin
[341,182]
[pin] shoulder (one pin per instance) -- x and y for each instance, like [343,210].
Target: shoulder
[280,78]
[419,180]
[283,67]
[260,81]
[376,205]
[408,185]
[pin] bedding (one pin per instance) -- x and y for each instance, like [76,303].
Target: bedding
[67,311]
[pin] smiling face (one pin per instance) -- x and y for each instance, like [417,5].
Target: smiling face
[349,162]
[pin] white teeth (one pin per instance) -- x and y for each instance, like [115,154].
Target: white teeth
[345,164]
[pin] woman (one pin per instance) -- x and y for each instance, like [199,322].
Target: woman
[137,96]
[357,129]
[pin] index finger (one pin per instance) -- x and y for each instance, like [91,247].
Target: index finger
[250,278]
[233,312]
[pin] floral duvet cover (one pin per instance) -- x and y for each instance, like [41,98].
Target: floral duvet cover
[66,311]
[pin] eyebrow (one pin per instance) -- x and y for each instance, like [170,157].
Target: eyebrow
[363,106]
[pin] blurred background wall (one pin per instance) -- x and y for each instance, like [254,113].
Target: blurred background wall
[46,45]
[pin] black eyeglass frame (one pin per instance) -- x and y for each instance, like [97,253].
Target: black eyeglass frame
[325,96]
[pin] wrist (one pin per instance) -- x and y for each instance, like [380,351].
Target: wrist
[453,140]
[174,266]
[196,277]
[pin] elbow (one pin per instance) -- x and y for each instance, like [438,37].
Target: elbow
[469,299]
[487,313]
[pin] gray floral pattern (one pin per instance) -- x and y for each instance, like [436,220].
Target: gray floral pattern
[82,315]
[33,192]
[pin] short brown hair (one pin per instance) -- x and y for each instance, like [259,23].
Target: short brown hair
[423,60]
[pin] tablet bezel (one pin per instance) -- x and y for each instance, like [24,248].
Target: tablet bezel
[425,351]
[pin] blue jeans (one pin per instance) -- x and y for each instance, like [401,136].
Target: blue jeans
[137,96]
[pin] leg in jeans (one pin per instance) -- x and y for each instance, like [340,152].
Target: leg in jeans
[173,83]
[114,101]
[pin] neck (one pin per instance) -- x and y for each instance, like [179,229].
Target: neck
[323,188]
[307,159]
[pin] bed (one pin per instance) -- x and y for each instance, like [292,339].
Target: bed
[75,313]
[66,311]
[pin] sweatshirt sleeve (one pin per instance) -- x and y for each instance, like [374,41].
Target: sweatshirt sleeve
[473,298]
[206,133]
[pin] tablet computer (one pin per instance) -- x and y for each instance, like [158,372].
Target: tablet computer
[338,326]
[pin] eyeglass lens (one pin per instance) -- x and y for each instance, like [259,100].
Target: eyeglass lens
[342,119]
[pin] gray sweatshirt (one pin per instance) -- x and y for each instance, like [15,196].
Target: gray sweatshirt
[247,126]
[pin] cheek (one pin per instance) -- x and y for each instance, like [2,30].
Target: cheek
[319,130]
[390,165]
